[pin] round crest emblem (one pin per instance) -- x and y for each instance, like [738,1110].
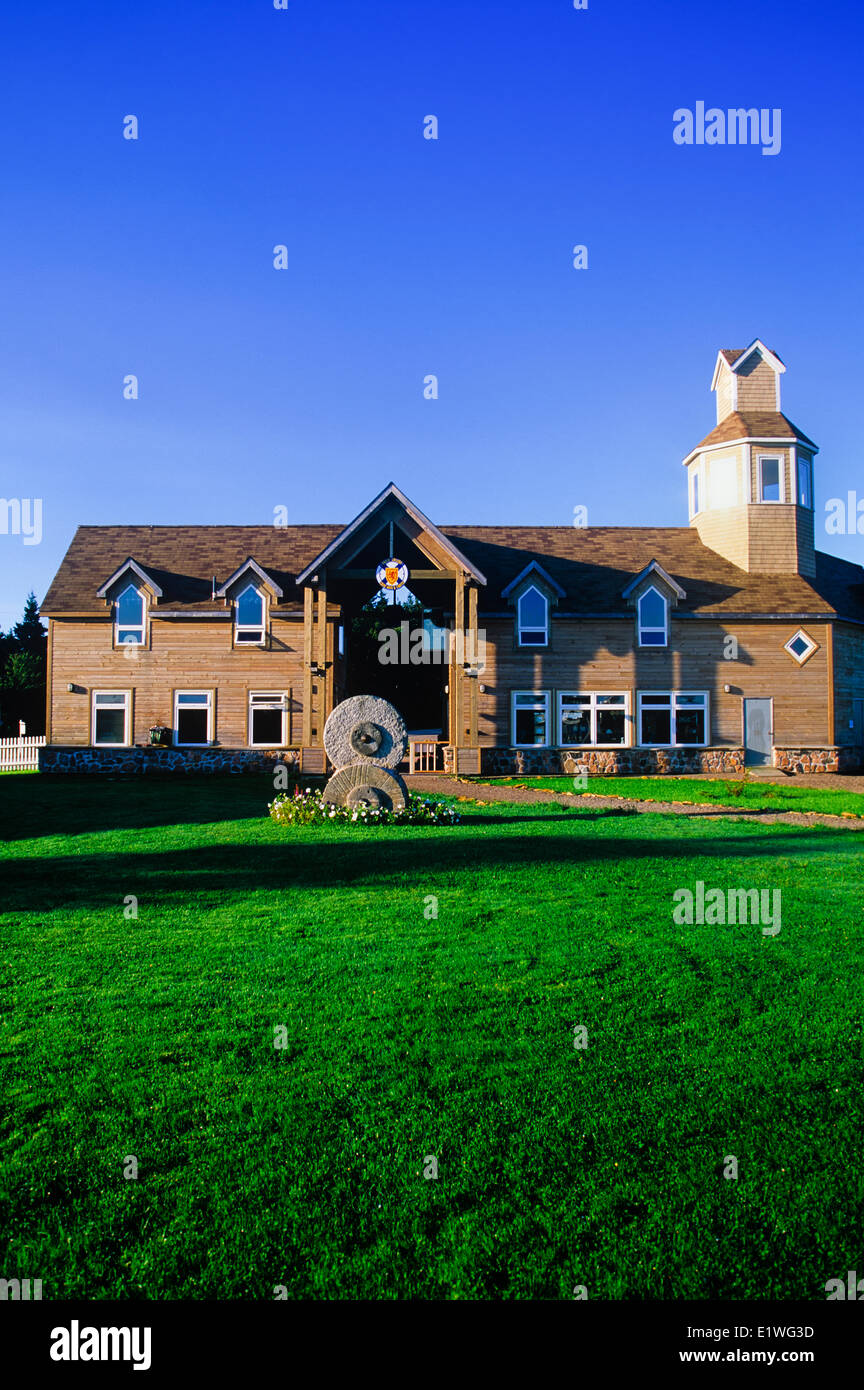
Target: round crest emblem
[392,574]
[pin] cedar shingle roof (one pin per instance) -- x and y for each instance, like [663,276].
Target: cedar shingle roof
[592,565]
[182,560]
[760,424]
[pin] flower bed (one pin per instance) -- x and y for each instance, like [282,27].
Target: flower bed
[308,807]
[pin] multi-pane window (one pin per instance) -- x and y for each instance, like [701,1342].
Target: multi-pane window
[769,480]
[533,618]
[592,719]
[805,482]
[530,718]
[653,620]
[111,709]
[249,616]
[129,617]
[267,719]
[192,718]
[668,719]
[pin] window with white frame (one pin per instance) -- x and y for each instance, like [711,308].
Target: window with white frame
[805,482]
[129,618]
[671,719]
[653,613]
[267,709]
[249,616]
[530,718]
[769,478]
[801,646]
[193,718]
[111,722]
[533,618]
[592,719]
[694,489]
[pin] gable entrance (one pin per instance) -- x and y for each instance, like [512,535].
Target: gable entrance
[407,645]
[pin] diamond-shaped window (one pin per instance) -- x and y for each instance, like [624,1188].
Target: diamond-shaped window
[801,647]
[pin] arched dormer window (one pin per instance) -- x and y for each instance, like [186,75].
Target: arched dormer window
[249,616]
[533,618]
[533,593]
[532,610]
[653,613]
[129,617]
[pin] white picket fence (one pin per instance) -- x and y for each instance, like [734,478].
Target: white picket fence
[20,754]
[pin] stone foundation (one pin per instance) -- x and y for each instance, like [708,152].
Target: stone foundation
[500,762]
[140,761]
[829,759]
[609,762]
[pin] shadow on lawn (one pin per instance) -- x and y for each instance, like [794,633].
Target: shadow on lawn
[102,880]
[32,807]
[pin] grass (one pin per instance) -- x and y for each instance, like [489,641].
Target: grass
[752,795]
[409,1035]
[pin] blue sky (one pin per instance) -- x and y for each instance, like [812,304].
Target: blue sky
[304,387]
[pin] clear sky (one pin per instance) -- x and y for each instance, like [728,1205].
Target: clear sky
[303,126]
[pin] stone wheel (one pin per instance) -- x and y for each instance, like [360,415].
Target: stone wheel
[366,739]
[365,728]
[365,795]
[366,784]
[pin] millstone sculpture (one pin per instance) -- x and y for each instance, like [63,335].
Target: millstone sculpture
[365,739]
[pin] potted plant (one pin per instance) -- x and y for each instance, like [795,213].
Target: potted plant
[160,736]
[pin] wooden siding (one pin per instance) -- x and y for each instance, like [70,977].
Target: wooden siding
[757,385]
[780,539]
[759,537]
[586,655]
[724,396]
[725,530]
[180,655]
[848,681]
[600,656]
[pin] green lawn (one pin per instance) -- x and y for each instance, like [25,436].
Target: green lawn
[409,1036]
[751,795]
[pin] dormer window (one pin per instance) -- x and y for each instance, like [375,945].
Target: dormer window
[129,618]
[249,617]
[533,618]
[653,613]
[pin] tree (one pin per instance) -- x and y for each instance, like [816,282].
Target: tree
[29,635]
[23,667]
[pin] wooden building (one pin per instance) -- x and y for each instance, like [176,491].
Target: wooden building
[702,647]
